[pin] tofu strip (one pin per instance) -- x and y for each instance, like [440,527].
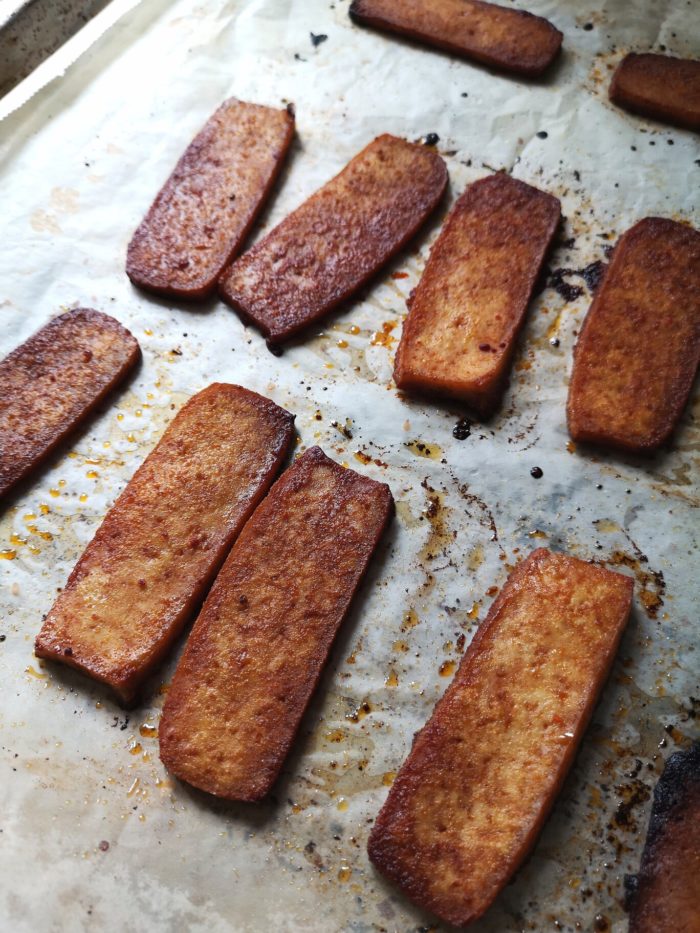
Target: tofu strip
[471,301]
[665,895]
[639,347]
[511,40]
[327,248]
[204,212]
[660,87]
[154,556]
[258,648]
[482,775]
[54,381]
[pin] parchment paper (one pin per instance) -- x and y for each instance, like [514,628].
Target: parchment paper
[95,835]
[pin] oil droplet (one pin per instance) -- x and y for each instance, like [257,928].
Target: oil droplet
[54,493]
[362,457]
[148,731]
[83,497]
[73,454]
[33,673]
[135,749]
[475,558]
[342,804]
[130,438]
[606,524]
[537,534]
[392,680]
[61,483]
[138,412]
[354,329]
[422,449]
[45,535]
[400,646]
[383,338]
[571,447]
[29,516]
[447,668]
[148,332]
[120,417]
[474,611]
[16,540]
[92,474]
[362,710]
[329,366]
[388,778]
[345,873]
[342,344]
[107,444]
[410,620]
[336,735]
[44,509]
[92,460]
[134,787]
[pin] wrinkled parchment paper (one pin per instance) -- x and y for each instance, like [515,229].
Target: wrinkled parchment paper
[95,834]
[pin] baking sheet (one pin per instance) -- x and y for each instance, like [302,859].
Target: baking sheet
[95,835]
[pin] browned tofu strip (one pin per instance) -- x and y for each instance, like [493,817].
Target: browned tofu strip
[482,775]
[639,348]
[511,40]
[161,544]
[660,87]
[470,304]
[331,245]
[202,215]
[260,643]
[665,895]
[53,382]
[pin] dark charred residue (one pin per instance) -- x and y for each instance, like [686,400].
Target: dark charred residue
[430,139]
[542,134]
[557,281]
[317,38]
[486,519]
[274,348]
[591,275]
[536,472]
[122,723]
[462,430]
[652,585]
[343,429]
[633,794]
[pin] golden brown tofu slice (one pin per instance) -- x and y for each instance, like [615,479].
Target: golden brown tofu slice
[639,348]
[54,381]
[510,40]
[161,544]
[331,245]
[202,215]
[482,775]
[660,87]
[665,895]
[470,304]
[257,650]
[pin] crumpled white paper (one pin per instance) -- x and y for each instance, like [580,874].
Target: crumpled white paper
[95,835]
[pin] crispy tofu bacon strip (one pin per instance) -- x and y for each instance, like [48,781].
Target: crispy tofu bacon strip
[660,87]
[639,348]
[331,245]
[665,895]
[510,40]
[257,650]
[482,775]
[202,215]
[471,301]
[54,381]
[159,547]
